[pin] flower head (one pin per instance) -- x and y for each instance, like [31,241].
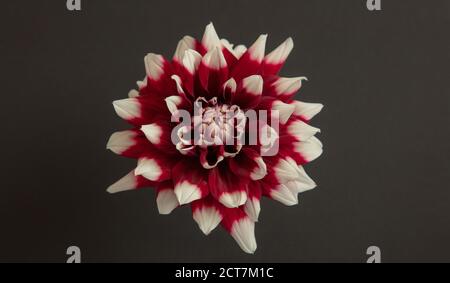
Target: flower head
[217,128]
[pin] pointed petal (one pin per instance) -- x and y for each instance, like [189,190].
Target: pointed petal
[153,132]
[184,44]
[154,64]
[274,61]
[153,168]
[309,150]
[187,192]
[285,88]
[130,143]
[241,228]
[191,60]
[210,38]
[260,171]
[304,181]
[233,199]
[229,90]
[239,51]
[120,142]
[250,62]
[253,207]
[243,231]
[189,180]
[249,92]
[173,103]
[129,182]
[228,188]
[286,170]
[127,109]
[302,184]
[213,71]
[307,110]
[139,110]
[248,164]
[284,110]
[301,131]
[207,215]
[284,195]
[256,51]
[166,199]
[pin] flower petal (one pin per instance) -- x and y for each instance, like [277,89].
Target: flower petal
[253,207]
[249,92]
[153,167]
[248,164]
[139,110]
[129,182]
[309,150]
[241,228]
[274,61]
[226,187]
[213,71]
[307,111]
[229,90]
[130,143]
[186,43]
[250,62]
[283,88]
[159,134]
[284,195]
[166,199]
[207,215]
[210,38]
[286,170]
[301,131]
[190,181]
[284,110]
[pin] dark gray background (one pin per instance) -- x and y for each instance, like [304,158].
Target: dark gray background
[383,179]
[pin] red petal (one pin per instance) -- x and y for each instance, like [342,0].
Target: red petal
[130,143]
[250,63]
[274,61]
[248,94]
[213,72]
[190,181]
[226,187]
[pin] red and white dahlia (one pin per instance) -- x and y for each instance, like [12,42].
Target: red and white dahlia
[217,128]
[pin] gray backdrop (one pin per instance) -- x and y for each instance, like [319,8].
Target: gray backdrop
[383,179]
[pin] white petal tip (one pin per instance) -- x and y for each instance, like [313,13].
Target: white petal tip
[152,132]
[284,110]
[243,231]
[166,201]
[126,183]
[126,108]
[258,48]
[187,192]
[149,169]
[207,218]
[232,200]
[253,208]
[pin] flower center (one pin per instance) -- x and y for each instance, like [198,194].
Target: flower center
[215,129]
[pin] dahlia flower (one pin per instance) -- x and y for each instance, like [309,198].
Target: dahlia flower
[217,128]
